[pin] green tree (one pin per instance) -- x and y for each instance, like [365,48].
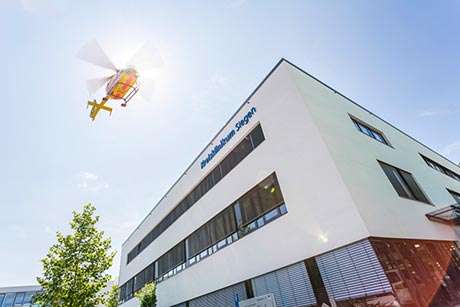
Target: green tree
[147,296]
[74,270]
[113,295]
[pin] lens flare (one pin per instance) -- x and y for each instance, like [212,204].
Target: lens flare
[323,237]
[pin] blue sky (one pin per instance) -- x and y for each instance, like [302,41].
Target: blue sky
[399,59]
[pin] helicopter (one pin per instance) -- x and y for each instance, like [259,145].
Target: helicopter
[124,83]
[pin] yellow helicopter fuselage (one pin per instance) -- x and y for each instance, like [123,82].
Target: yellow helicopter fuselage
[123,85]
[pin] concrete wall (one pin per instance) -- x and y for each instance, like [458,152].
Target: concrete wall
[355,155]
[329,176]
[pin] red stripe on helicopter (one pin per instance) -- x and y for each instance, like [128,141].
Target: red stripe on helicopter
[127,83]
[130,79]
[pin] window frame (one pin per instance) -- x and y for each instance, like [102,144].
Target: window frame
[234,156]
[372,130]
[455,195]
[412,186]
[440,168]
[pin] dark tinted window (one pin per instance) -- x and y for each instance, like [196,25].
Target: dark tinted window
[199,240]
[122,292]
[139,280]
[261,199]
[257,136]
[129,287]
[171,259]
[404,183]
[215,234]
[217,174]
[223,224]
[249,143]
[149,274]
[213,231]
[441,169]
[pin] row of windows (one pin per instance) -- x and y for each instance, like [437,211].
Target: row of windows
[441,168]
[246,146]
[406,186]
[259,206]
[403,182]
[17,299]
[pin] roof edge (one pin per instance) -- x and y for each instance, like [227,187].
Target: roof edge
[246,101]
[378,117]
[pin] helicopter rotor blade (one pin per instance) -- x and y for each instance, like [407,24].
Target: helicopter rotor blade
[147,88]
[93,85]
[94,54]
[146,58]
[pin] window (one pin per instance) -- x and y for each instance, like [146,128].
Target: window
[455,195]
[28,298]
[171,259]
[19,299]
[244,148]
[404,183]
[441,168]
[212,232]
[9,299]
[139,280]
[369,131]
[224,229]
[260,200]
[149,273]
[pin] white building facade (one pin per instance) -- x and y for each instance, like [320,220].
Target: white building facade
[306,195]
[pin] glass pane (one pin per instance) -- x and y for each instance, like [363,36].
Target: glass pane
[257,136]
[171,259]
[260,222]
[9,300]
[19,298]
[149,274]
[420,271]
[379,137]
[261,199]
[129,287]
[217,175]
[223,224]
[403,184]
[271,215]
[139,280]
[365,130]
[356,125]
[396,180]
[416,190]
[2,297]
[283,209]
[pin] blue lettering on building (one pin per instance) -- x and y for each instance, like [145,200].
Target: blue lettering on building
[238,125]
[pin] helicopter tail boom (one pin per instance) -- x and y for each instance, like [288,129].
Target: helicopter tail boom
[96,107]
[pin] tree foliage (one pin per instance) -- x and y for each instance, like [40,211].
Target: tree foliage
[74,268]
[113,295]
[147,296]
